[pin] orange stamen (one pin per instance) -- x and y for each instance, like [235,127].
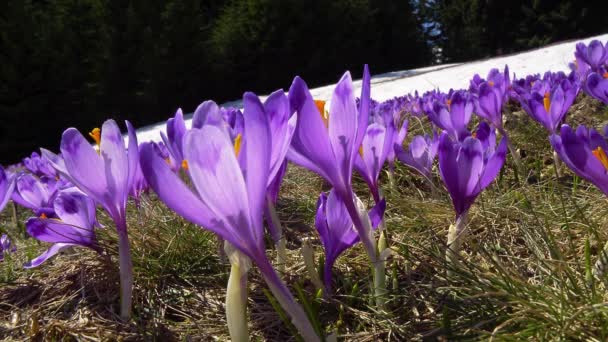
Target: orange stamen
[491,83]
[361,151]
[324,114]
[185,164]
[43,216]
[605,74]
[600,154]
[237,144]
[547,102]
[96,135]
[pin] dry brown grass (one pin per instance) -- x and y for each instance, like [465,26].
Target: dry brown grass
[522,275]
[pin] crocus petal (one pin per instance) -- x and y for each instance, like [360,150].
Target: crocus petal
[86,168]
[172,190]
[343,126]
[218,179]
[32,191]
[49,253]
[116,162]
[310,145]
[132,155]
[206,113]
[495,163]
[257,148]
[7,185]
[74,208]
[56,231]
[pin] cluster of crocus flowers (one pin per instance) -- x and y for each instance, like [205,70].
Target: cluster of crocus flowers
[591,66]
[236,160]
[336,230]
[105,174]
[230,186]
[329,143]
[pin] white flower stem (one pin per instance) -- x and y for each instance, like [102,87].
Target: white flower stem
[456,235]
[236,296]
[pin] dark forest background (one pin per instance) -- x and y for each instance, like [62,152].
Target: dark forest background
[78,62]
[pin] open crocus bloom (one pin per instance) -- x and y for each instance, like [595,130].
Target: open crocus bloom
[420,154]
[37,194]
[174,139]
[230,183]
[453,114]
[596,84]
[327,143]
[6,246]
[490,95]
[105,175]
[548,102]
[467,168]
[584,151]
[39,166]
[74,226]
[593,55]
[373,153]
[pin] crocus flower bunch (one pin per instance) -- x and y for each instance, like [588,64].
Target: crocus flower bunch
[591,66]
[548,100]
[106,175]
[224,173]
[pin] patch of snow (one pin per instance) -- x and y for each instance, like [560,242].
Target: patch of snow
[456,76]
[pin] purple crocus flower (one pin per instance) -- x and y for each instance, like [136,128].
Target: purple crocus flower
[6,246]
[105,175]
[584,151]
[37,194]
[467,168]
[230,192]
[491,95]
[453,114]
[420,154]
[174,139]
[74,225]
[596,84]
[548,102]
[336,229]
[593,55]
[7,186]
[328,146]
[282,126]
[39,166]
[373,152]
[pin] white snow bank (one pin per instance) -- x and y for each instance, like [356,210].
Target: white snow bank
[385,86]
